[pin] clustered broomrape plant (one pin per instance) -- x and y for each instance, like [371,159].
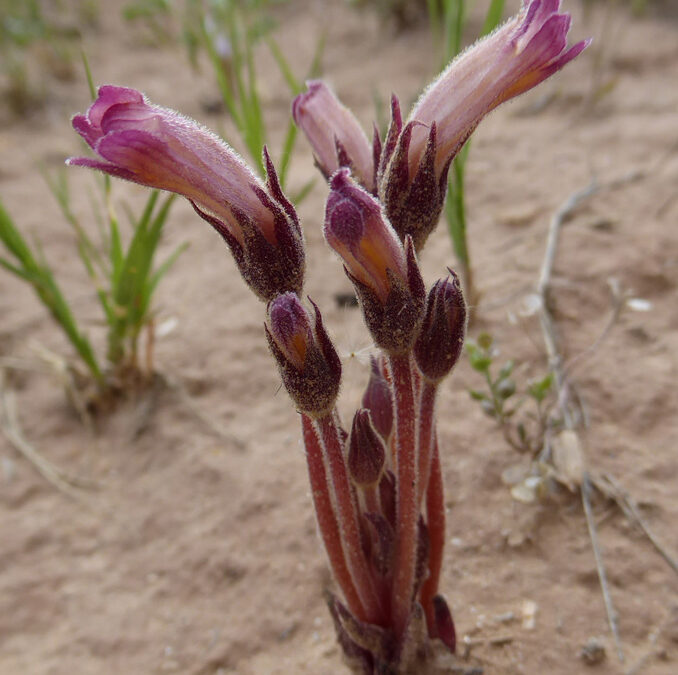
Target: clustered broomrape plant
[377,489]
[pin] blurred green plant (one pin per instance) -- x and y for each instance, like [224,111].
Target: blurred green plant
[449,20]
[37,38]
[503,398]
[153,15]
[228,32]
[124,279]
[402,13]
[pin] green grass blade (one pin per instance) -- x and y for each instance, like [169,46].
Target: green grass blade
[300,195]
[294,85]
[222,80]
[41,278]
[315,69]
[115,249]
[286,156]
[255,118]
[165,267]
[132,291]
[493,17]
[17,271]
[88,74]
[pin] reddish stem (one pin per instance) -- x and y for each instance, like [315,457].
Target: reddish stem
[406,493]
[435,520]
[347,516]
[327,521]
[425,424]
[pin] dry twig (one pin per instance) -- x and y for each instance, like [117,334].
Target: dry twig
[10,426]
[611,488]
[556,366]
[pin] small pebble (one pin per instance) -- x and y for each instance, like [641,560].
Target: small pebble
[593,652]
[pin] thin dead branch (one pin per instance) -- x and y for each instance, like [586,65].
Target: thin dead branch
[556,366]
[57,477]
[611,488]
[602,575]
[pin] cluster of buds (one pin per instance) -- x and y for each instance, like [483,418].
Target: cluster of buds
[377,488]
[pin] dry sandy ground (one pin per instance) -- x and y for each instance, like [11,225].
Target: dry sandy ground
[198,552]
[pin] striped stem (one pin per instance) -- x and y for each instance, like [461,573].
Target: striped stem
[347,516]
[435,521]
[327,520]
[406,493]
[425,426]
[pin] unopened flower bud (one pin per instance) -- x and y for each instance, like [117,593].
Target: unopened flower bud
[379,401]
[337,138]
[309,365]
[366,453]
[440,341]
[386,276]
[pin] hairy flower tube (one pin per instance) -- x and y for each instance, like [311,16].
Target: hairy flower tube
[160,148]
[335,134]
[526,50]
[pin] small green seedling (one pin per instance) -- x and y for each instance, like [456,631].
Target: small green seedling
[503,400]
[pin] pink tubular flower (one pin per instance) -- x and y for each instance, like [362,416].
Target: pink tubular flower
[334,133]
[159,148]
[526,50]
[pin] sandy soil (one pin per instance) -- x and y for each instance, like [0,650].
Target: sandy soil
[198,552]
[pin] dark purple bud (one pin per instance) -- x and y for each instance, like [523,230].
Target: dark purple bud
[379,401]
[386,276]
[444,623]
[309,365]
[366,453]
[355,227]
[439,344]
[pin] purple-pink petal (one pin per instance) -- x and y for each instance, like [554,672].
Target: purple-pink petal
[110,169]
[130,116]
[82,125]
[109,95]
[572,53]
